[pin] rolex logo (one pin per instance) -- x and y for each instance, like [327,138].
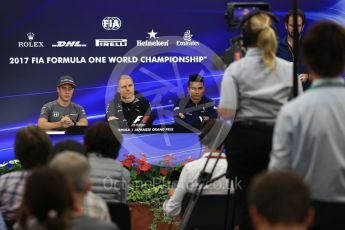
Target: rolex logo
[31,36]
[30,43]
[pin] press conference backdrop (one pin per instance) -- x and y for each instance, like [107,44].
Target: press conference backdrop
[158,43]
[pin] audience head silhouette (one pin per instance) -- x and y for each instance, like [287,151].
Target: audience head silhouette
[280,199]
[32,147]
[47,201]
[103,139]
[324,49]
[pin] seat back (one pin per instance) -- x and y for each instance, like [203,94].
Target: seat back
[209,212]
[120,214]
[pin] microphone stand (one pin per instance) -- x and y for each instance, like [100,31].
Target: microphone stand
[232,217]
[204,179]
[295,48]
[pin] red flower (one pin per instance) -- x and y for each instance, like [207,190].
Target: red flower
[143,156]
[127,163]
[131,157]
[168,163]
[140,161]
[167,159]
[144,166]
[164,171]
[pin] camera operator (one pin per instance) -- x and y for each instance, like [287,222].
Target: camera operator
[252,92]
[285,46]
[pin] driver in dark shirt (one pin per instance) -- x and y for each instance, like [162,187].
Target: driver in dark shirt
[194,109]
[129,107]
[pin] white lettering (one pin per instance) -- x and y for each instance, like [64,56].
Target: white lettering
[66,60]
[97,60]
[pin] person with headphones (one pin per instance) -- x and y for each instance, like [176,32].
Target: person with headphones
[253,90]
[212,137]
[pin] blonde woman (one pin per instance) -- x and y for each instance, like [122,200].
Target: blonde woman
[252,92]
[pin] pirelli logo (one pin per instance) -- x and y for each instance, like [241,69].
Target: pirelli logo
[110,42]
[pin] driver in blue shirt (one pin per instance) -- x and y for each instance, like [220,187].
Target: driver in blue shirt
[194,109]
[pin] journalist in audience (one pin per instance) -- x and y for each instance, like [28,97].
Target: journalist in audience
[32,147]
[47,202]
[94,206]
[109,178]
[77,169]
[280,200]
[212,137]
[70,145]
[309,134]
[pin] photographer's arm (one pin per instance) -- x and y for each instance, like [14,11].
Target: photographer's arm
[228,114]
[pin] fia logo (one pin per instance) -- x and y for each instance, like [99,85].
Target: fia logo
[111,23]
[56,114]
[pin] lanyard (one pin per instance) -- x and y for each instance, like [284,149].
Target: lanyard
[216,157]
[328,84]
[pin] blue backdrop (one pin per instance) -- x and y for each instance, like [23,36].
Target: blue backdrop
[28,74]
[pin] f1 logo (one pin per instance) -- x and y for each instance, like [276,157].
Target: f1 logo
[137,120]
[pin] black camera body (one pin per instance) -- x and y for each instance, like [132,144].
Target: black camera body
[237,11]
[236,14]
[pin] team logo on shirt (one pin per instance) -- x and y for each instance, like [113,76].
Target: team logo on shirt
[56,114]
[119,108]
[43,110]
